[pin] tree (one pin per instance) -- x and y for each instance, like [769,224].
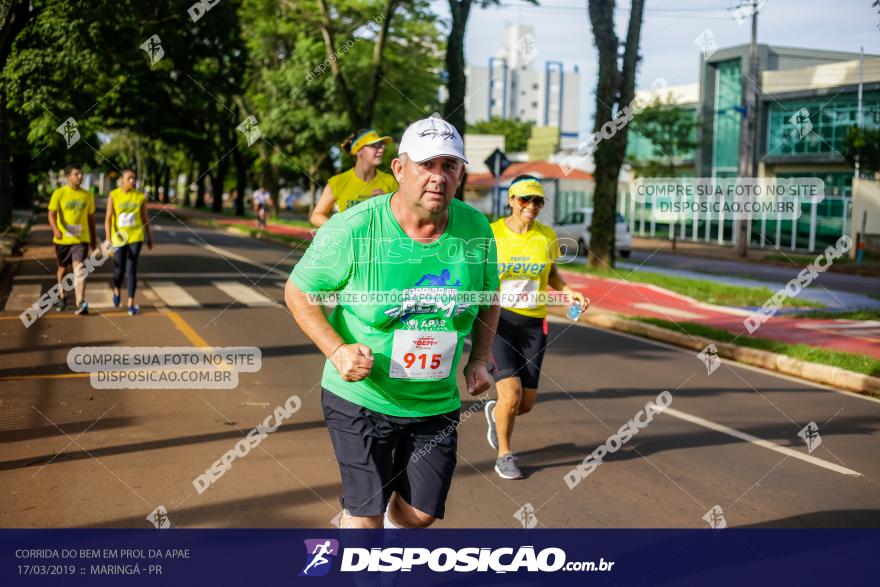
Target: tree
[615,90]
[14,17]
[456,81]
[863,145]
[297,97]
[671,131]
[516,133]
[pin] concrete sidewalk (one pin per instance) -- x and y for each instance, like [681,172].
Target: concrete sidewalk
[714,259]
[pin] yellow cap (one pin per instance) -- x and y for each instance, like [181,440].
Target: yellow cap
[526,187]
[368,138]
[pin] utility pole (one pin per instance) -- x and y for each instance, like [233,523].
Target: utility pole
[749,125]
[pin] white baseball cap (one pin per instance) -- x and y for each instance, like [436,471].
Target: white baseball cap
[429,138]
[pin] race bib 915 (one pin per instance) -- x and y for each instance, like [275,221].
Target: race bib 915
[417,354]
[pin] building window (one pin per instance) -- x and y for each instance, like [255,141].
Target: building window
[818,125]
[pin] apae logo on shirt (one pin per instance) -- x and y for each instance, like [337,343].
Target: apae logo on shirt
[438,297]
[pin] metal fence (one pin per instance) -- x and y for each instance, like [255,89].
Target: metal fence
[820,224]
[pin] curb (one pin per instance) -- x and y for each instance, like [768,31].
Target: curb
[818,373]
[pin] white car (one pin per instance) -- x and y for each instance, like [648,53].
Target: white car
[576,226]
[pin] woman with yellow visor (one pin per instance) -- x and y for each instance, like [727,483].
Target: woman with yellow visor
[361,182]
[527,250]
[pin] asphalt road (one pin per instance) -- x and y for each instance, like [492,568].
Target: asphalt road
[74,456]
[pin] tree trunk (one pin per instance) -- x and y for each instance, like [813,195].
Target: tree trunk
[456,85]
[22,195]
[5,165]
[200,186]
[615,86]
[187,192]
[240,181]
[166,184]
[218,180]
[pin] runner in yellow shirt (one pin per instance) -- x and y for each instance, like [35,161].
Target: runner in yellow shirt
[527,251]
[125,225]
[72,220]
[361,182]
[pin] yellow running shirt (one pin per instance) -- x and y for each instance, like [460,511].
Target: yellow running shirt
[127,217]
[524,263]
[349,189]
[73,208]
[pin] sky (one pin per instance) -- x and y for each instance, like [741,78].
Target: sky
[562,33]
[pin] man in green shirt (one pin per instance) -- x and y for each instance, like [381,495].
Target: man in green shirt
[400,264]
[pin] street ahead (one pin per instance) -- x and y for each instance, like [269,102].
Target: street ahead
[72,455]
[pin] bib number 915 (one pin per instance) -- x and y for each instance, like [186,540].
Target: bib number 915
[422,359]
[422,355]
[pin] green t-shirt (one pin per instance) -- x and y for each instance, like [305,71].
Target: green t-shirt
[417,331]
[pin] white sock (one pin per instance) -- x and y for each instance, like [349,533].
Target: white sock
[388,524]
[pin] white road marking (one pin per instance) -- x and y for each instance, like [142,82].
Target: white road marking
[760,442]
[23,297]
[99,295]
[243,294]
[173,295]
[237,257]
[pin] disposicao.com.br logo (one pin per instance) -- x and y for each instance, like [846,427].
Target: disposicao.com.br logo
[321,553]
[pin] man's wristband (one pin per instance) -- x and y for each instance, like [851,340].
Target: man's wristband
[341,344]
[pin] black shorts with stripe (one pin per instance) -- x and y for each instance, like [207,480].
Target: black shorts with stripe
[518,348]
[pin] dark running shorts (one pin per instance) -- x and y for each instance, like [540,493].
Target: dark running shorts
[67,254]
[379,454]
[518,348]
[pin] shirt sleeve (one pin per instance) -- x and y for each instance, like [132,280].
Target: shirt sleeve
[328,262]
[491,282]
[91,209]
[55,200]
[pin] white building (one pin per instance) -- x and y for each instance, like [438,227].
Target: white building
[516,84]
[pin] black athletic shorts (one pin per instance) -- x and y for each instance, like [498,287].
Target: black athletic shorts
[67,254]
[379,454]
[518,348]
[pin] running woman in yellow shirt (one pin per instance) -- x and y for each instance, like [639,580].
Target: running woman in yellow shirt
[361,182]
[527,250]
[125,225]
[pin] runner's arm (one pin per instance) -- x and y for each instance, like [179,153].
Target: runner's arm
[145,222]
[311,319]
[556,281]
[53,224]
[321,213]
[476,372]
[108,219]
[93,232]
[352,361]
[483,334]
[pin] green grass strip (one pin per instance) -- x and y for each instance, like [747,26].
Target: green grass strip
[704,290]
[849,361]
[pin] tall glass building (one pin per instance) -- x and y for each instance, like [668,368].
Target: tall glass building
[808,99]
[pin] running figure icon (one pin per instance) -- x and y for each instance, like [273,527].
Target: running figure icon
[319,559]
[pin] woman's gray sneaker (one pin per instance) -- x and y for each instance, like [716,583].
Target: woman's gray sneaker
[506,467]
